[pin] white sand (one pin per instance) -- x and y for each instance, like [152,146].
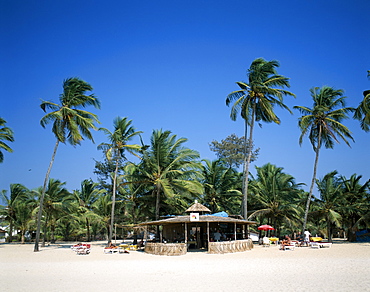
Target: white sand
[343,267]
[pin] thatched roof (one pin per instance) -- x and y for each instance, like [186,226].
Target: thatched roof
[202,218]
[197,207]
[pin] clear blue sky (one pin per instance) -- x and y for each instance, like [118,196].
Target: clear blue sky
[170,65]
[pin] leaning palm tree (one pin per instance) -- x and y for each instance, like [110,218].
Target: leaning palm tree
[255,101]
[6,134]
[323,124]
[70,124]
[115,151]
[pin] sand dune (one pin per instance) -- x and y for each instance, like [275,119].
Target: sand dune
[343,267]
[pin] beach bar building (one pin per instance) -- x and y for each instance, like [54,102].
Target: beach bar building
[216,233]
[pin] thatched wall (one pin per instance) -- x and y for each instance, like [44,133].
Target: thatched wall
[170,249]
[230,246]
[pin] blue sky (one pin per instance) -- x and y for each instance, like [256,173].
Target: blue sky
[170,65]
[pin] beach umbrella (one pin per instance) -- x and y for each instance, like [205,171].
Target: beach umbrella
[266,227]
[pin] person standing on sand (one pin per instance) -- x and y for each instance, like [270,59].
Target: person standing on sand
[307,235]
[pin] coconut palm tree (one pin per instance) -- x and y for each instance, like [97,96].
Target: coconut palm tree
[276,196]
[323,124]
[220,187]
[329,204]
[255,101]
[115,151]
[86,197]
[18,193]
[169,172]
[355,207]
[6,134]
[71,123]
[57,202]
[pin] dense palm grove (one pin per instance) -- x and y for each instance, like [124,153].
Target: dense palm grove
[139,182]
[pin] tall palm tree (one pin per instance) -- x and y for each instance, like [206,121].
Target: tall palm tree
[323,124]
[362,112]
[70,124]
[255,101]
[169,171]
[6,134]
[115,151]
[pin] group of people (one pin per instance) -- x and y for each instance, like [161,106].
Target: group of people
[302,239]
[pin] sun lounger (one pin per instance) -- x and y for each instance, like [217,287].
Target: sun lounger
[325,244]
[314,244]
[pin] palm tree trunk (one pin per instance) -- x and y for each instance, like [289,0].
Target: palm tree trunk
[317,150]
[38,229]
[247,163]
[88,229]
[10,237]
[113,203]
[329,229]
[157,201]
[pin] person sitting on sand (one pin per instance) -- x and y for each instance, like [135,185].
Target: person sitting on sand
[286,241]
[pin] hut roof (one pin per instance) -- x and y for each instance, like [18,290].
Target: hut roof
[197,207]
[202,218]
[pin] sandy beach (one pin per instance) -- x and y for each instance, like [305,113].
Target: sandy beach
[343,267]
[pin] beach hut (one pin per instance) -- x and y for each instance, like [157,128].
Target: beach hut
[215,233]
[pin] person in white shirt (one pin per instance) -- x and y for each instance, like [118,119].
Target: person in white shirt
[307,235]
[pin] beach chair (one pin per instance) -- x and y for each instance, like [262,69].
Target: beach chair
[291,246]
[266,242]
[83,250]
[314,244]
[325,244]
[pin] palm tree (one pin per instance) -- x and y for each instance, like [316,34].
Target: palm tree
[57,202]
[86,197]
[355,207]
[255,101]
[18,193]
[70,124]
[330,201]
[6,134]
[115,151]
[362,112]
[220,187]
[169,171]
[276,196]
[323,125]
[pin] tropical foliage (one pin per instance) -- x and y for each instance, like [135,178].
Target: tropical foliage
[6,135]
[165,176]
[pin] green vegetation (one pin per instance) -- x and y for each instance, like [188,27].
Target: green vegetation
[165,176]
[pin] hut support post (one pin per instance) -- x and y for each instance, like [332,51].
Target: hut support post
[186,233]
[234,231]
[207,235]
